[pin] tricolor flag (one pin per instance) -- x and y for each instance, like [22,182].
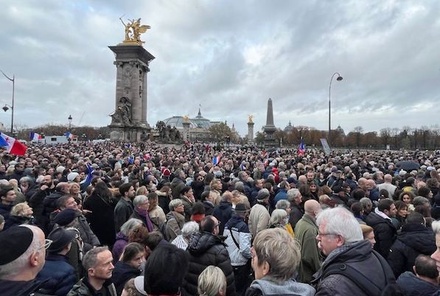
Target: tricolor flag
[216,159]
[12,145]
[68,135]
[35,137]
[301,148]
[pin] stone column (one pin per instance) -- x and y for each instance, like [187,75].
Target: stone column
[269,129]
[186,125]
[250,134]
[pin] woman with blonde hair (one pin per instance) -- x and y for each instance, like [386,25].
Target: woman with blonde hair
[275,259]
[212,282]
[368,234]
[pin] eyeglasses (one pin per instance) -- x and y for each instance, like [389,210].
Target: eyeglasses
[47,243]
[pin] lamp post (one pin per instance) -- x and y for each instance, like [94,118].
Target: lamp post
[70,122]
[339,78]
[6,106]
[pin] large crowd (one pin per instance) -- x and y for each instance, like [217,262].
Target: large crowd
[115,218]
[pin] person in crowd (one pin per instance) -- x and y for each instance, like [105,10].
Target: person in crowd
[130,265]
[368,233]
[124,208]
[187,198]
[2,223]
[175,219]
[238,244]
[141,205]
[407,197]
[122,237]
[424,280]
[156,213]
[21,213]
[275,258]
[198,209]
[22,256]
[279,218]
[99,267]
[212,282]
[89,239]
[387,185]
[296,205]
[285,205]
[7,200]
[436,254]
[207,248]
[223,211]
[414,239]
[305,232]
[101,206]
[384,230]
[57,275]
[174,261]
[188,229]
[259,216]
[134,287]
[402,212]
[340,239]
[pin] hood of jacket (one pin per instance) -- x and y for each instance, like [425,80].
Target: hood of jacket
[418,237]
[412,285]
[201,242]
[289,287]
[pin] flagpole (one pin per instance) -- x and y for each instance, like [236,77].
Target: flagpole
[5,108]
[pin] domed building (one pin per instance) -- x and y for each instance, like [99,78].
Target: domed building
[289,128]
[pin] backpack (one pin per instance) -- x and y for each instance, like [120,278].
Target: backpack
[363,282]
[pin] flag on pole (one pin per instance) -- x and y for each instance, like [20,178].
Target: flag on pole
[68,135]
[301,148]
[12,145]
[216,159]
[35,137]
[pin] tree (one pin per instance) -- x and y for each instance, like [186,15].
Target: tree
[220,131]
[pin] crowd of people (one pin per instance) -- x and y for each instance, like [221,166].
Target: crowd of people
[143,219]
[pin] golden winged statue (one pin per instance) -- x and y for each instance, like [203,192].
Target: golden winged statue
[251,117]
[133,31]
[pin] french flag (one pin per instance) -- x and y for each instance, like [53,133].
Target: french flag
[12,145]
[216,159]
[35,137]
[301,148]
[68,135]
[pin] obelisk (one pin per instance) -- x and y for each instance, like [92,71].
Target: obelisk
[269,129]
[250,125]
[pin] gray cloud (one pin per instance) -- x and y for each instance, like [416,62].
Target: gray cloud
[230,57]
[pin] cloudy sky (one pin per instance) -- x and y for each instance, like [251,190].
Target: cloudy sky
[229,57]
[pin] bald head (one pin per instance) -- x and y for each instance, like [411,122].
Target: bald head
[388,178]
[312,207]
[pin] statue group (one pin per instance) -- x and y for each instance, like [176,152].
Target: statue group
[167,133]
[122,114]
[133,31]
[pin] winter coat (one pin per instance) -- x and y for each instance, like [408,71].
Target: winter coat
[384,231]
[414,239]
[83,288]
[157,216]
[238,228]
[175,222]
[16,220]
[187,204]
[122,212]
[223,212]
[5,210]
[207,249]
[37,205]
[290,287]
[358,255]
[18,288]
[101,218]
[89,239]
[122,273]
[118,247]
[306,231]
[295,215]
[411,285]
[57,274]
[258,219]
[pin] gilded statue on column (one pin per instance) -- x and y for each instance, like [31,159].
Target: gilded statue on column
[133,31]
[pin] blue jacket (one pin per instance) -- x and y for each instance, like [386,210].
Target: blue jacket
[239,229]
[58,274]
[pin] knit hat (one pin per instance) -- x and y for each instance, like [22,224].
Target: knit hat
[71,176]
[14,242]
[263,194]
[60,238]
[65,217]
[139,284]
[240,208]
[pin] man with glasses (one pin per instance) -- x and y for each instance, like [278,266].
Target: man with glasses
[351,266]
[22,256]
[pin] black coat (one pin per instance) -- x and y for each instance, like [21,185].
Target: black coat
[207,249]
[102,218]
[122,273]
[384,231]
[414,239]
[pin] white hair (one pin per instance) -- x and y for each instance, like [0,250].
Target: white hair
[342,222]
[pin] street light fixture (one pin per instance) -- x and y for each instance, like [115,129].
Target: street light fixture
[6,106]
[339,78]
[70,122]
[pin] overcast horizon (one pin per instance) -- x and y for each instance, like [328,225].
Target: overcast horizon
[229,57]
